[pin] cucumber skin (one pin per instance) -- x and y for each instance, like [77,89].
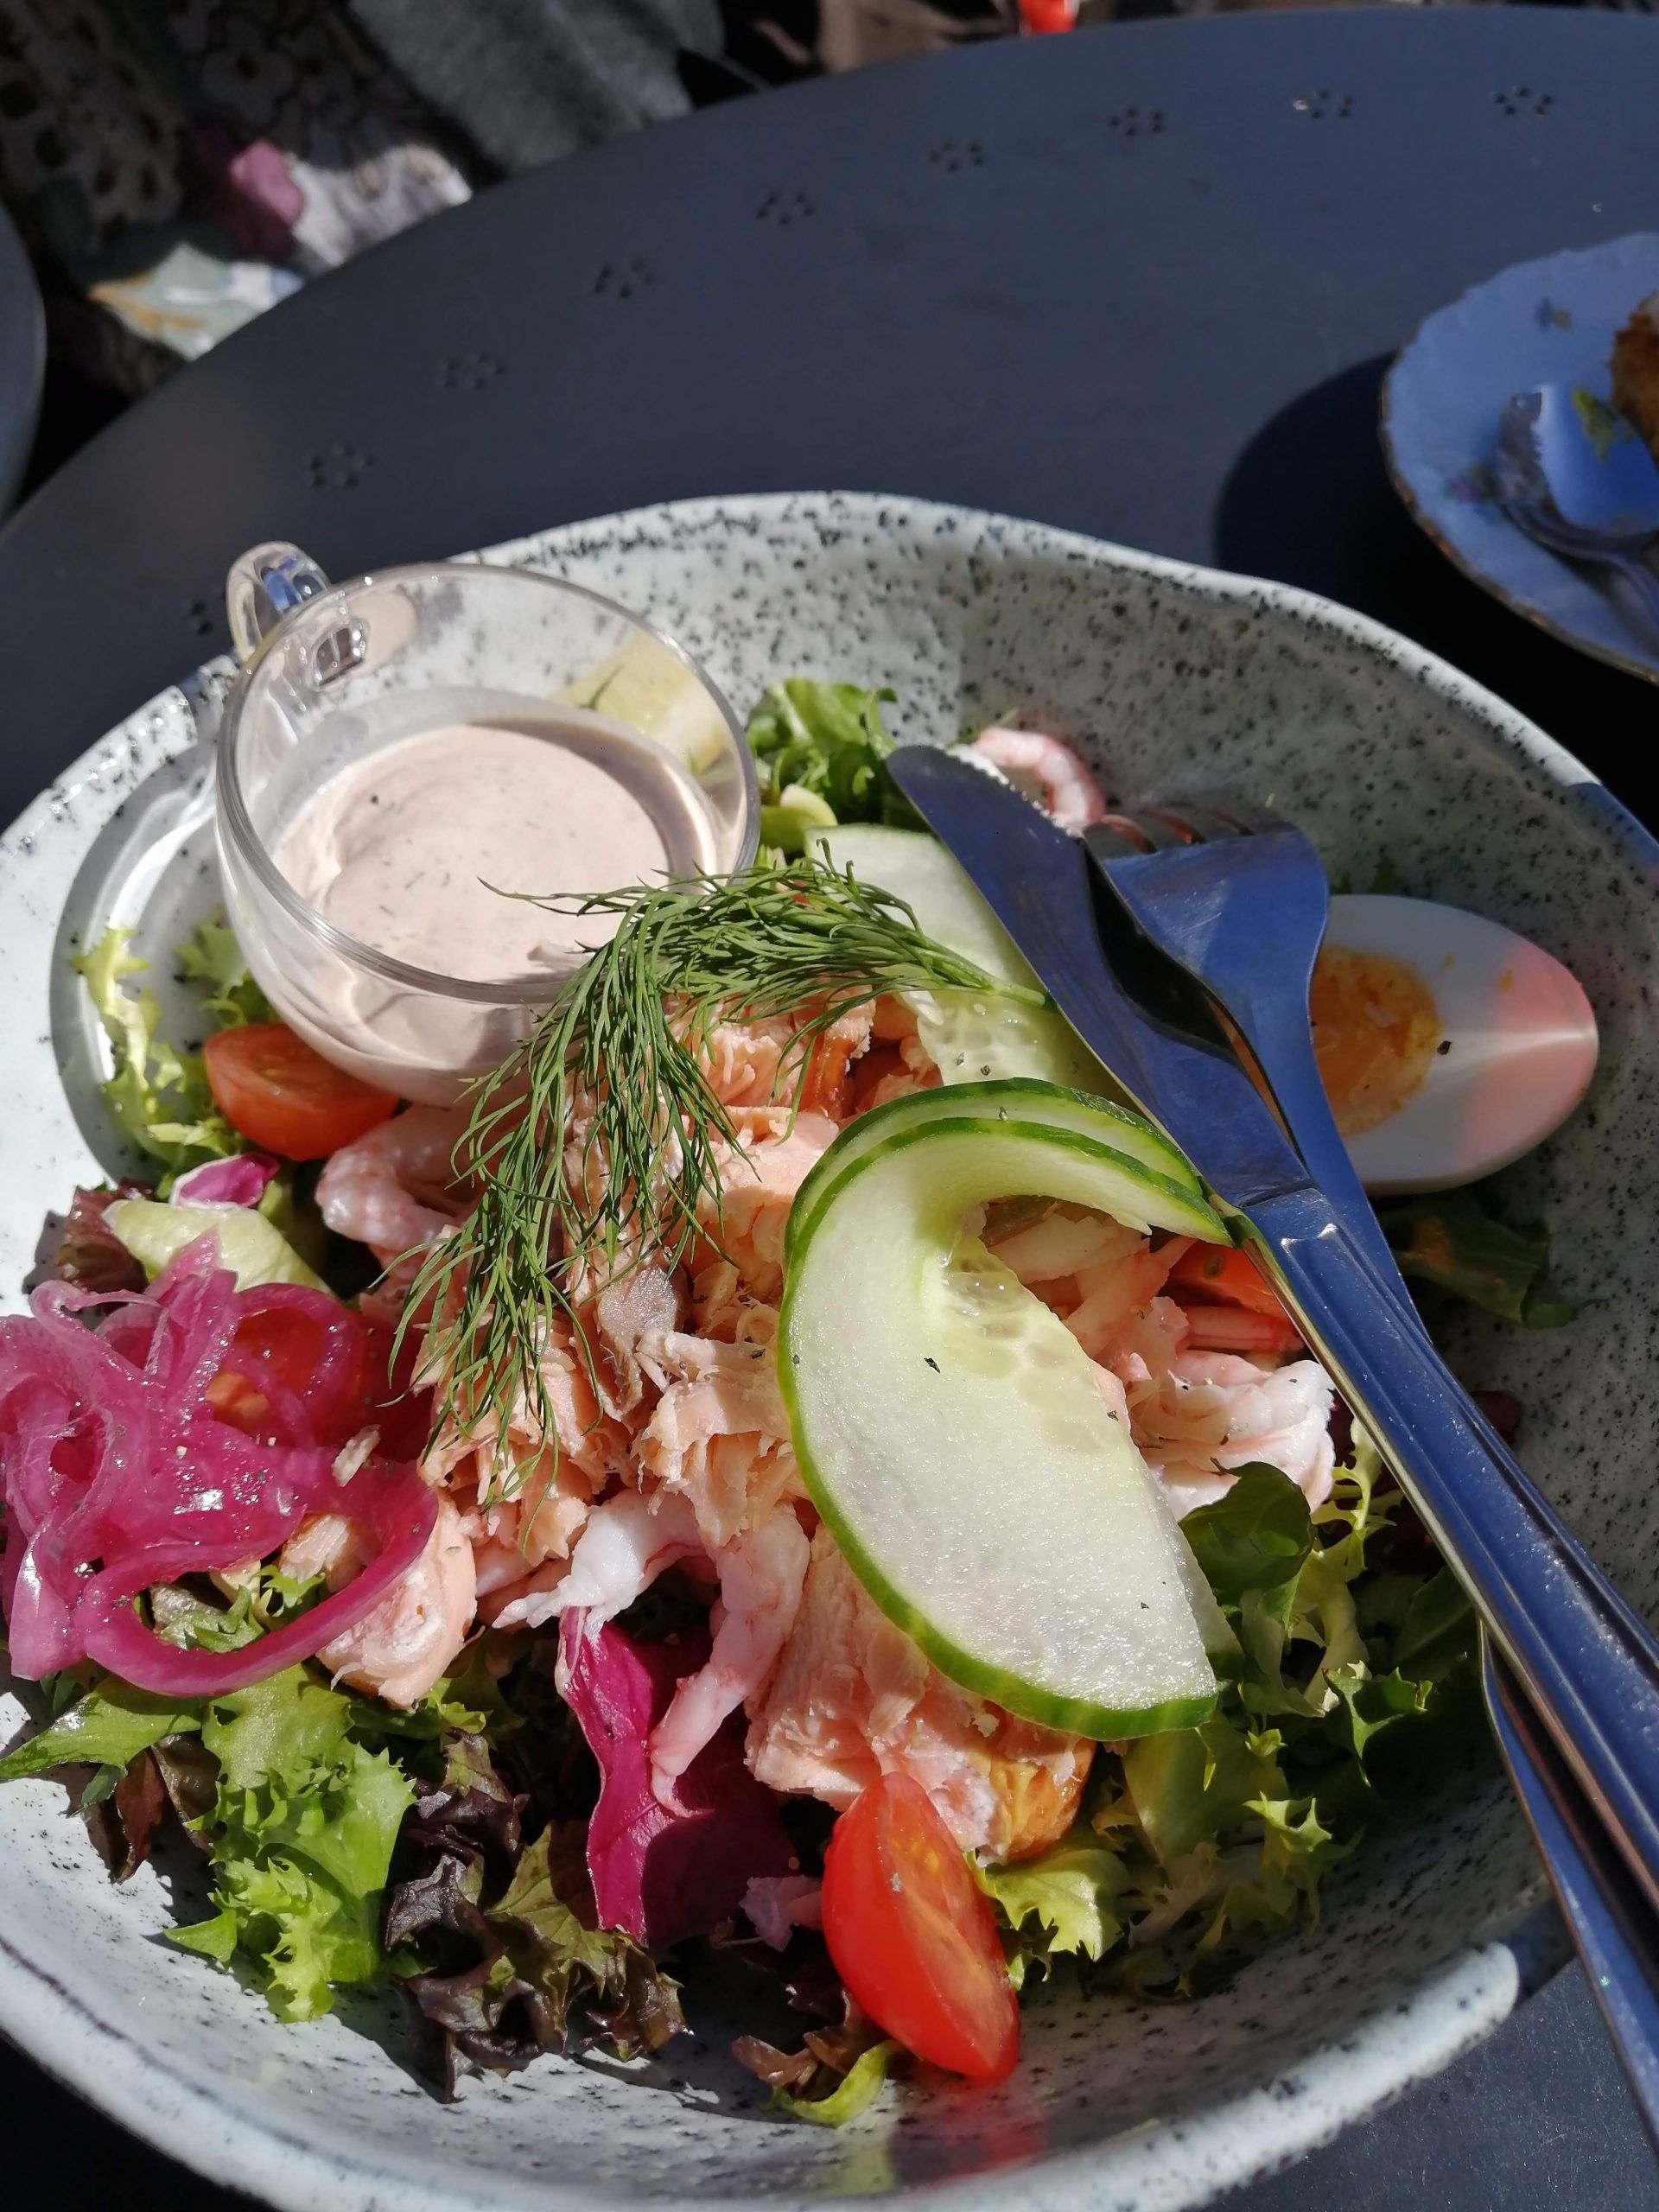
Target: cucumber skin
[963,1102]
[1075,1716]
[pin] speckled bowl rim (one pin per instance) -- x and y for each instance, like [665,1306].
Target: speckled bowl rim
[1413,504]
[1186,2161]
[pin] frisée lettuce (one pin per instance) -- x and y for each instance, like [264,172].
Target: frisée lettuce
[1356,1647]
[158,1094]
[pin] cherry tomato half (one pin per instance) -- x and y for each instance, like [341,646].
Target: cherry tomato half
[288,1344]
[912,1935]
[270,1085]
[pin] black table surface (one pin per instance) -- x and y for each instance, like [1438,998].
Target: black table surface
[23,357]
[1141,282]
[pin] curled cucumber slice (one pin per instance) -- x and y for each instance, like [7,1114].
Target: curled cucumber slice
[950,1428]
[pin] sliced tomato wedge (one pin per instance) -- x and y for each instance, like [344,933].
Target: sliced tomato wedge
[270,1085]
[912,1935]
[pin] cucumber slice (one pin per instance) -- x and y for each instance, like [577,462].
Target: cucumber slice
[915,866]
[970,1038]
[948,1429]
[1015,1100]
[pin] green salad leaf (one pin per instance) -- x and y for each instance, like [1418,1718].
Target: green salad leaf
[213,959]
[301,1835]
[858,2089]
[1255,1538]
[1454,1244]
[821,750]
[108,1727]
[567,1963]
[493,1983]
[1356,1663]
[1065,1900]
[157,1094]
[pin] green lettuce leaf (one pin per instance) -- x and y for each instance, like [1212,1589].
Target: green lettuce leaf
[564,1961]
[1356,1663]
[1451,1243]
[213,959]
[1196,1785]
[821,750]
[1255,1538]
[158,1096]
[494,1983]
[1064,1901]
[857,2090]
[302,1836]
[109,1727]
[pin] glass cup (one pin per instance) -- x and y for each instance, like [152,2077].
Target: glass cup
[334,672]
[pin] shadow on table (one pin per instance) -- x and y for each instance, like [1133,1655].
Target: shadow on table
[108,2167]
[1309,502]
[1396,2161]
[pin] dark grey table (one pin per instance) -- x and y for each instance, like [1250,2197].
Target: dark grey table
[22,358]
[1142,281]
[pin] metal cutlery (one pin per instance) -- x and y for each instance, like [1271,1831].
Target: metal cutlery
[1171,868]
[1587,1664]
[1576,478]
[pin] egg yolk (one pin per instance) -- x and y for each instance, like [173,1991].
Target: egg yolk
[1375,1027]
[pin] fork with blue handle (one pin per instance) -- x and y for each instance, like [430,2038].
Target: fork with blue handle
[1138,947]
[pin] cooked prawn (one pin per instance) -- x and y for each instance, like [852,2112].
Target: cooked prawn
[1047,769]
[761,1573]
[396,1189]
[400,1647]
[1209,1413]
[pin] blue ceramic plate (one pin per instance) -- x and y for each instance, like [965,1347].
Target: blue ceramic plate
[1549,322]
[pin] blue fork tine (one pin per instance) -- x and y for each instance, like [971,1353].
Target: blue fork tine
[1167,868]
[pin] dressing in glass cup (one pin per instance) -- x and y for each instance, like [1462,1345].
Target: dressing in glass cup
[394,744]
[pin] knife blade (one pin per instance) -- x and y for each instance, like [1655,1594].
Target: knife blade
[1039,884]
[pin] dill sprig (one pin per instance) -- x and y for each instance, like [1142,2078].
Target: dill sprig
[597,1144]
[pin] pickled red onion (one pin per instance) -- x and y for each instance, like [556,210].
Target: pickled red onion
[118,1471]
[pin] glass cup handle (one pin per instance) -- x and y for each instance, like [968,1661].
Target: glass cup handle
[265,584]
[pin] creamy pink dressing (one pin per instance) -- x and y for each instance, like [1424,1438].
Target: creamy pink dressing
[399,849]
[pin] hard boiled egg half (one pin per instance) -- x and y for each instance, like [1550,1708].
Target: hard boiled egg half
[1448,1045]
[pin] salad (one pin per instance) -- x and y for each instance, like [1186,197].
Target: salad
[789,1465]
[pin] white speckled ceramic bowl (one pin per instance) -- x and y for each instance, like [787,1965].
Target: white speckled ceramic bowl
[1170,679]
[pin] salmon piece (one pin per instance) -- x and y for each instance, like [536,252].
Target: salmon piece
[760,1181]
[720,1433]
[855,1698]
[587,1440]
[413,1636]
[633,1307]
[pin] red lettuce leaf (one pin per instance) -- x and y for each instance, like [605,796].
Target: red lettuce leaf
[239,1181]
[90,1255]
[663,1872]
